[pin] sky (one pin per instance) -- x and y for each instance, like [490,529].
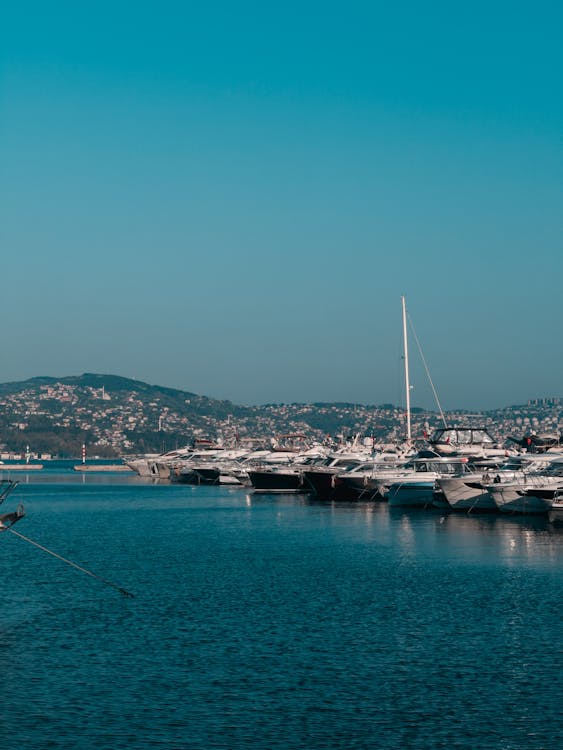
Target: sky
[232,198]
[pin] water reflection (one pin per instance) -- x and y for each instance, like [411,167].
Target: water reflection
[415,533]
[70,477]
[434,534]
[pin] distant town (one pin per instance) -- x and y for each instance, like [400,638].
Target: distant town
[110,416]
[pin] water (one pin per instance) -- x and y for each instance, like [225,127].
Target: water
[274,622]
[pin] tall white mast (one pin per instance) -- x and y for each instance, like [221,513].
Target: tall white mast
[406,358]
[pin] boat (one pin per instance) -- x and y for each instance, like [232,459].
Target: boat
[269,475]
[321,478]
[536,493]
[204,467]
[469,492]
[141,465]
[363,481]
[415,486]
[555,513]
[466,441]
[534,442]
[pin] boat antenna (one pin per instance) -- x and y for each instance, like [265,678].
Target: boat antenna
[406,359]
[72,564]
[427,372]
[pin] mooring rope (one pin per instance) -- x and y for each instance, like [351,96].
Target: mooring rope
[72,564]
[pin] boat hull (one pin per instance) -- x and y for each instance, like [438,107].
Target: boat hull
[273,481]
[465,496]
[356,488]
[411,494]
[522,500]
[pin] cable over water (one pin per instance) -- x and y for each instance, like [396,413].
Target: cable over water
[72,564]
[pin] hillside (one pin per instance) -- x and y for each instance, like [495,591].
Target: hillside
[113,415]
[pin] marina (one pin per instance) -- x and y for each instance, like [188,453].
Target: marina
[250,499]
[457,468]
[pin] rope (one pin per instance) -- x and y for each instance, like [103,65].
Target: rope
[72,564]
[427,371]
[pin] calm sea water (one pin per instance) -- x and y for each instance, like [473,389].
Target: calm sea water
[274,622]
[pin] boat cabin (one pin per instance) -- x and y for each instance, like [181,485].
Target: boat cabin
[461,440]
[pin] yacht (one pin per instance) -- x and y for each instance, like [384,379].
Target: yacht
[415,486]
[470,491]
[290,477]
[365,481]
[535,493]
[465,441]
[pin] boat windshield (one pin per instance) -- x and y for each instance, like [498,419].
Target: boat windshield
[439,467]
[462,436]
[553,470]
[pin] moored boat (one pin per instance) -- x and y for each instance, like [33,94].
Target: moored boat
[536,493]
[469,492]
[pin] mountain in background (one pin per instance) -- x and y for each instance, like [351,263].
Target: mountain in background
[113,415]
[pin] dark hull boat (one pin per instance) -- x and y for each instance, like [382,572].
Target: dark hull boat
[187,476]
[207,475]
[327,486]
[268,480]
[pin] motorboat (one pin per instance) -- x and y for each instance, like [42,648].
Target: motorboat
[415,485]
[465,441]
[535,493]
[469,492]
[271,476]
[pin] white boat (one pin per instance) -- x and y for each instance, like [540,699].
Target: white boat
[536,493]
[204,467]
[322,477]
[364,481]
[523,499]
[417,485]
[469,492]
[555,513]
[466,441]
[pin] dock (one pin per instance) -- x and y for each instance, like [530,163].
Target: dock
[102,467]
[20,467]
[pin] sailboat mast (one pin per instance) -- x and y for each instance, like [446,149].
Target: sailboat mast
[406,358]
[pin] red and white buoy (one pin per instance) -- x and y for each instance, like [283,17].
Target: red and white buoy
[83,453]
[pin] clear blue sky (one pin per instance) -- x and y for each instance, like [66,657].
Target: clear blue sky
[231,197]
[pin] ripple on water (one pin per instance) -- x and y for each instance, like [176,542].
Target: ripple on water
[277,623]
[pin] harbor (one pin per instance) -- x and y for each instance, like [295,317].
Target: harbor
[456,468]
[251,499]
